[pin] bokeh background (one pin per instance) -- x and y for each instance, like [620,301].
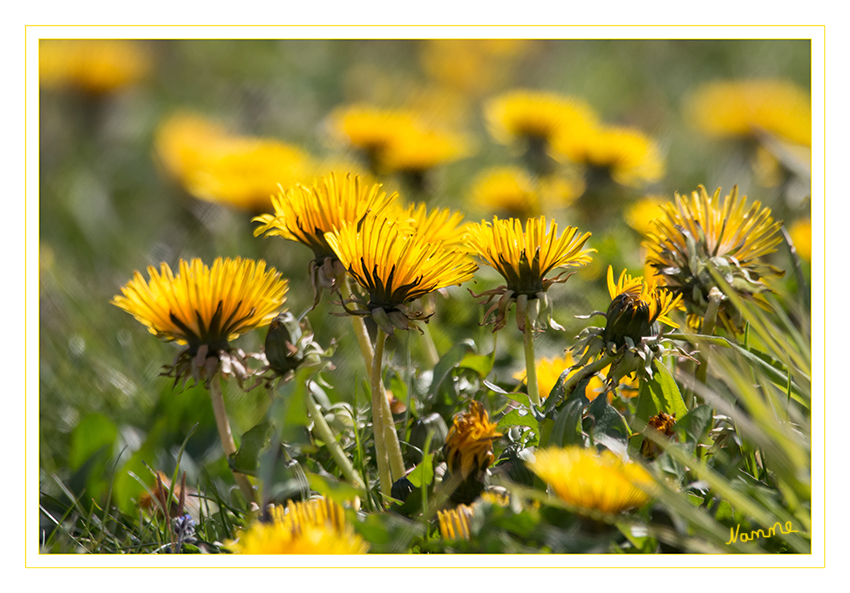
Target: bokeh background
[111,203]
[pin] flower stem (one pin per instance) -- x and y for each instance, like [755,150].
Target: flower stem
[327,435]
[715,297]
[432,357]
[392,449]
[378,394]
[530,366]
[226,436]
[585,371]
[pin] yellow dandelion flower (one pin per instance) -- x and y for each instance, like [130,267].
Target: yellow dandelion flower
[203,306]
[626,155]
[370,129]
[701,230]
[94,66]
[506,190]
[182,140]
[643,212]
[469,444]
[801,236]
[395,267]
[437,225]
[306,214]
[471,66]
[536,115]
[315,526]
[750,107]
[524,258]
[593,482]
[417,150]
[455,523]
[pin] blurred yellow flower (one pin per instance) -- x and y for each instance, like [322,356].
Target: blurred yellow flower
[641,214]
[801,236]
[471,66]
[699,230]
[629,156]
[454,523]
[395,267]
[536,116]
[469,444]
[203,306]
[593,482]
[506,190]
[749,107]
[550,369]
[315,526]
[94,66]
[417,150]
[238,171]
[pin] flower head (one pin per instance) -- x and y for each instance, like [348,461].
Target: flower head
[663,423]
[626,155]
[801,236]
[315,526]
[536,116]
[416,150]
[507,190]
[641,214]
[747,108]
[94,66]
[395,267]
[524,258]
[636,308]
[702,231]
[437,225]
[204,308]
[469,445]
[306,214]
[593,482]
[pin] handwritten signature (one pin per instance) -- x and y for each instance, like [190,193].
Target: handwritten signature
[734,534]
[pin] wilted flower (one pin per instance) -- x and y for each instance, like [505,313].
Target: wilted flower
[748,108]
[315,526]
[663,423]
[699,232]
[593,482]
[524,258]
[469,451]
[204,308]
[637,306]
[395,267]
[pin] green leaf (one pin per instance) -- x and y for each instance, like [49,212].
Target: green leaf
[480,363]
[449,361]
[607,426]
[694,426]
[334,489]
[245,460]
[423,475]
[517,418]
[660,394]
[521,398]
[567,428]
[93,433]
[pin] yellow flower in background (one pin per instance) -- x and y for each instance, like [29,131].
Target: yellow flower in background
[628,155]
[369,129]
[469,444]
[454,523]
[305,214]
[203,306]
[536,116]
[238,171]
[801,236]
[750,107]
[417,150]
[549,371]
[315,526]
[593,482]
[395,267]
[641,214]
[506,190]
[95,66]
[437,225]
[701,230]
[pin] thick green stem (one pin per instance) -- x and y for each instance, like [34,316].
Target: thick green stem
[325,433]
[392,448]
[379,396]
[530,366]
[432,357]
[586,371]
[226,436]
